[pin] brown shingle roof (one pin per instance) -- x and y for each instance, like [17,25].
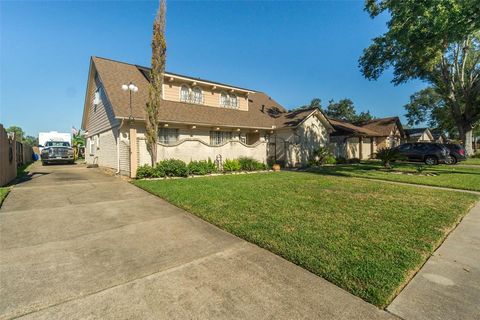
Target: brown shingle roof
[383,126]
[262,111]
[343,127]
[293,118]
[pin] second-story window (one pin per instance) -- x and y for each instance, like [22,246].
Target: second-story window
[184,93]
[197,95]
[223,99]
[233,101]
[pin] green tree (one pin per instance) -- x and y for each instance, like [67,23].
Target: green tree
[19,133]
[344,109]
[315,103]
[78,141]
[31,141]
[428,107]
[435,41]
[159,55]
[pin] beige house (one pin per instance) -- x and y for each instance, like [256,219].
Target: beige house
[363,140]
[350,141]
[419,135]
[199,119]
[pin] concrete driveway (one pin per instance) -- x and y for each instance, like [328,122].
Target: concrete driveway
[77,244]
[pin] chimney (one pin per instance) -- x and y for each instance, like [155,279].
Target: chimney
[263,108]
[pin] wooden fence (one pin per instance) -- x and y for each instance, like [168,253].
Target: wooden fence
[13,154]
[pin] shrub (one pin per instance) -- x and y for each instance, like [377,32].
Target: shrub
[201,167]
[231,165]
[250,164]
[173,168]
[145,171]
[159,171]
[319,156]
[353,160]
[476,155]
[330,160]
[387,156]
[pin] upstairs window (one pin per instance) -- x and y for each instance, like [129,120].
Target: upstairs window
[224,99]
[197,95]
[184,93]
[219,137]
[228,100]
[233,101]
[167,135]
[97,97]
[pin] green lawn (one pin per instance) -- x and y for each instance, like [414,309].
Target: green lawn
[446,176]
[365,236]
[3,194]
[475,161]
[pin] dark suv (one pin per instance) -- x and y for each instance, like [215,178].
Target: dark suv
[457,152]
[430,153]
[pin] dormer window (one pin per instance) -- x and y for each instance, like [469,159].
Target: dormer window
[233,101]
[228,100]
[184,93]
[197,95]
[223,99]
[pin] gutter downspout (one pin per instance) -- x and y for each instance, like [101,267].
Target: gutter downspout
[118,148]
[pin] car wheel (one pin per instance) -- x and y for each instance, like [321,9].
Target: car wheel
[44,163]
[453,160]
[431,160]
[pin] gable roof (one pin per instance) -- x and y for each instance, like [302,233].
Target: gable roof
[383,126]
[345,128]
[261,114]
[412,132]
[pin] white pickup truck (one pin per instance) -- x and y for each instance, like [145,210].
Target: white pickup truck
[57,151]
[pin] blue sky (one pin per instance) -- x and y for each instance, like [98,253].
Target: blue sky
[294,51]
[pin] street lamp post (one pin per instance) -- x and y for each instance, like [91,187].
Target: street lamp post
[131,87]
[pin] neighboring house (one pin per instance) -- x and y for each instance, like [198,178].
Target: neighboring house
[390,130]
[419,135]
[362,141]
[438,135]
[351,141]
[199,119]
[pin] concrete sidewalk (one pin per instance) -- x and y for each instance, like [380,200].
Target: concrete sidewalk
[77,244]
[448,285]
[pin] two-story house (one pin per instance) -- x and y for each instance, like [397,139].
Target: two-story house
[199,119]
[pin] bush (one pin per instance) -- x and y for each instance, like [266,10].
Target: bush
[159,171]
[319,157]
[231,165]
[201,167]
[145,171]
[330,160]
[354,160]
[172,168]
[476,155]
[387,156]
[250,164]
